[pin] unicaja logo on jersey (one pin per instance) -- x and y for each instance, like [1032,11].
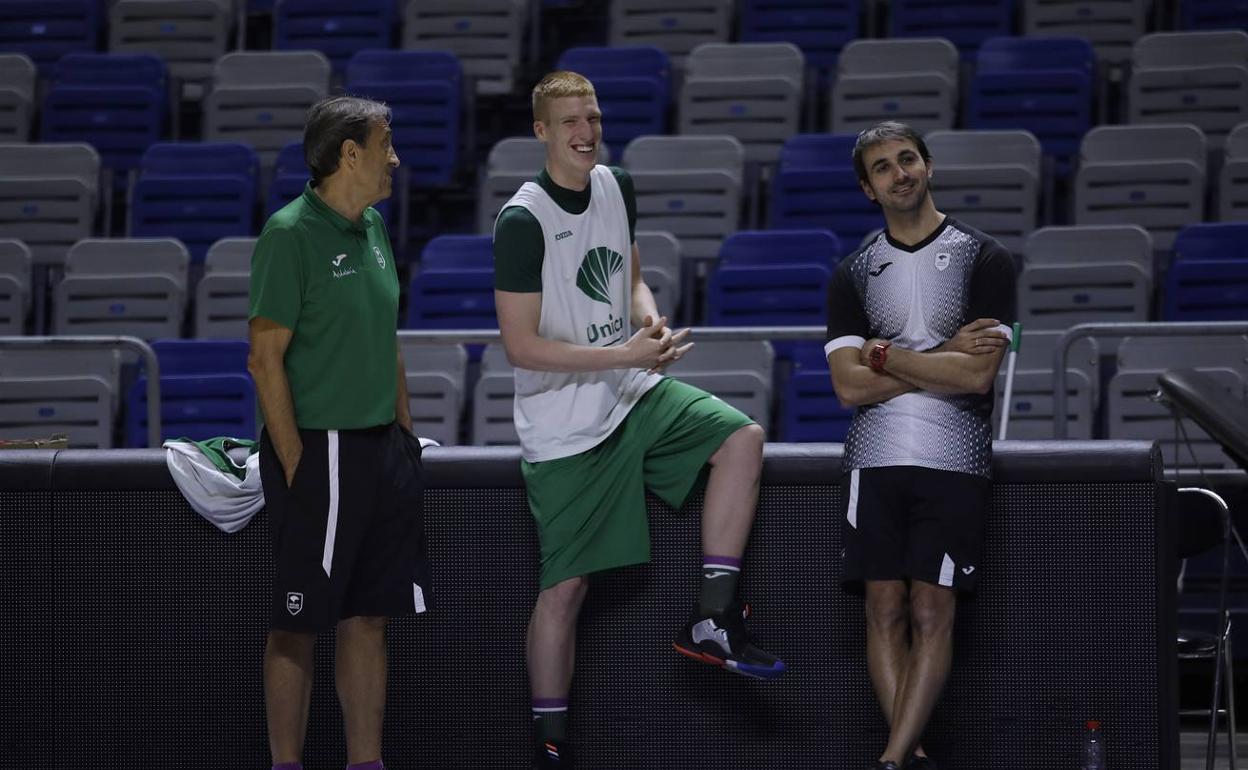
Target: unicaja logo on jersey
[598,267]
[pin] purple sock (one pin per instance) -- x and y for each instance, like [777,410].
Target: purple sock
[289,766]
[374,765]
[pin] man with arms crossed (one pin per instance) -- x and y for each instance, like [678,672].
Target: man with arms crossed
[598,424]
[919,450]
[340,467]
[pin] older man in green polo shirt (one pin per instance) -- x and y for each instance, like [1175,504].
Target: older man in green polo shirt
[340,467]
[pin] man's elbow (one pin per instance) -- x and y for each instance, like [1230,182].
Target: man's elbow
[259,365]
[848,397]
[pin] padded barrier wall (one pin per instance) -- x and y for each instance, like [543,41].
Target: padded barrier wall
[134,629]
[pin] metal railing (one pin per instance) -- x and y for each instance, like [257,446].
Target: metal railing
[133,344]
[1139,329]
[744,333]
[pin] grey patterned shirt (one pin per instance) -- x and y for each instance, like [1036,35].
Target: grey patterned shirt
[918,297]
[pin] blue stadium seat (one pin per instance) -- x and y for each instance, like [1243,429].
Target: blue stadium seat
[773,278]
[46,30]
[205,392]
[811,409]
[1208,280]
[336,28]
[965,23]
[821,28]
[424,90]
[633,84]
[454,288]
[118,103]
[1042,85]
[815,186]
[1213,14]
[197,192]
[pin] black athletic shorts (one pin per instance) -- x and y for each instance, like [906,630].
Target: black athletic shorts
[910,523]
[348,533]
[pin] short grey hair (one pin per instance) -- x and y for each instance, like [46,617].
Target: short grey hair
[333,121]
[887,131]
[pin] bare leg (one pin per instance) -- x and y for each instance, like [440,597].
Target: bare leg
[732,492]
[360,675]
[552,638]
[287,692]
[932,611]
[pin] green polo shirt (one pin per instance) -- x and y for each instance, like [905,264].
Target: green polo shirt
[333,283]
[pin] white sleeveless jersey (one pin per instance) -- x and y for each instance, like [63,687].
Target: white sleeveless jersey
[586,299]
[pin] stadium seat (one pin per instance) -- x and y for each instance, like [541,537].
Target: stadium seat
[1090,243]
[14,286]
[435,388]
[811,410]
[689,186]
[17,97]
[821,28]
[816,186]
[189,35]
[454,287]
[990,180]
[46,30]
[493,400]
[1132,413]
[262,98]
[661,269]
[1208,279]
[1111,26]
[633,86]
[49,391]
[1061,295]
[1042,85]
[1031,400]
[914,81]
[1153,176]
[132,286]
[1233,178]
[424,91]
[1199,78]
[1213,14]
[485,35]
[221,296]
[675,26]
[336,28]
[195,192]
[773,278]
[48,196]
[965,23]
[118,103]
[752,91]
[205,392]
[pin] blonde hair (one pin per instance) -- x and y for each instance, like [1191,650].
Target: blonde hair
[557,85]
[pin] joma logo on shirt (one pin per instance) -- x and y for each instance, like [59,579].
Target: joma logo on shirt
[563,235]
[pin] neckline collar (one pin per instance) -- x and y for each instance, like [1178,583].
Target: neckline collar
[921,244]
[337,220]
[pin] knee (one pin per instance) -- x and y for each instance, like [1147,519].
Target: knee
[743,449]
[932,619]
[886,615]
[563,600]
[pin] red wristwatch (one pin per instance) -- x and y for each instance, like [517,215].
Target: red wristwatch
[878,356]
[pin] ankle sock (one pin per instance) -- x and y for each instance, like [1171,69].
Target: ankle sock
[720,575]
[550,719]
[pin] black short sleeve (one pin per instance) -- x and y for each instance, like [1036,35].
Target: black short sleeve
[846,316]
[994,289]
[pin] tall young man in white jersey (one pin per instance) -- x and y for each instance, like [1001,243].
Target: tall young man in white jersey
[598,424]
[918,455]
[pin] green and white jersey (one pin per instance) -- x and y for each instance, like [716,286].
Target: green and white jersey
[586,291]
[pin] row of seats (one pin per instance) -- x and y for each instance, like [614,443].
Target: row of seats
[695,187]
[1068,275]
[489,34]
[206,391]
[754,91]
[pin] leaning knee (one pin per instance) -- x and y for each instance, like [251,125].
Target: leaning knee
[564,597]
[744,448]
